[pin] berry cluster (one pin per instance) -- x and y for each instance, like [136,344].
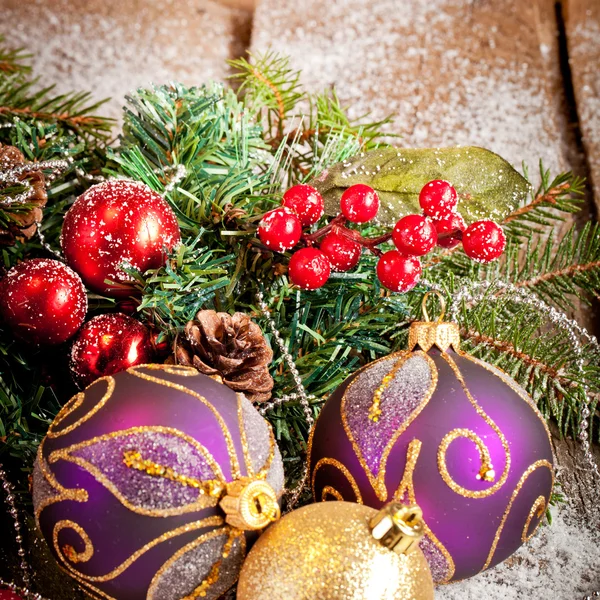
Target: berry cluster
[340,247]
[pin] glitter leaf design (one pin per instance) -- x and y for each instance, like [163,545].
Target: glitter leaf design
[402,399]
[488,186]
[105,458]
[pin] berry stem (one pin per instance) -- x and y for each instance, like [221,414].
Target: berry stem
[337,225]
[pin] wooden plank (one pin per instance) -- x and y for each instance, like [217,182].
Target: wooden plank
[113,47]
[582,23]
[453,72]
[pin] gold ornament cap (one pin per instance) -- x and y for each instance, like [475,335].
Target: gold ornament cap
[428,333]
[250,504]
[398,527]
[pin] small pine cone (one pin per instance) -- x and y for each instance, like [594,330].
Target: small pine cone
[15,222]
[232,347]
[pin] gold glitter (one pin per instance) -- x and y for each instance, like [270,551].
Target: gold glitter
[338,465]
[76,402]
[213,521]
[378,482]
[515,387]
[407,488]
[71,554]
[245,449]
[330,492]
[77,495]
[485,473]
[231,533]
[235,468]
[536,465]
[441,451]
[202,501]
[375,410]
[134,460]
[537,510]
[326,551]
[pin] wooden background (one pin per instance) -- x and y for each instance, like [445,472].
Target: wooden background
[521,78]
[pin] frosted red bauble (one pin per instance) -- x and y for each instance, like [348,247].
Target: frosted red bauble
[42,301]
[114,223]
[9,595]
[108,344]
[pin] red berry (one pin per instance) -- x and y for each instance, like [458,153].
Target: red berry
[398,272]
[42,301]
[484,241]
[437,198]
[343,254]
[359,203]
[415,235]
[309,268]
[447,224]
[280,229]
[306,202]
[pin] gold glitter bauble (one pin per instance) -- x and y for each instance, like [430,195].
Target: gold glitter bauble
[326,551]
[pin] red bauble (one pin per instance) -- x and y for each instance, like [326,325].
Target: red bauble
[450,222]
[484,241]
[108,344]
[42,301]
[306,202]
[437,198]
[398,272]
[359,203]
[343,254]
[414,235]
[9,595]
[114,223]
[280,229]
[309,268]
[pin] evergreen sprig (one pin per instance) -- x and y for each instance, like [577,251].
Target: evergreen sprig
[222,158]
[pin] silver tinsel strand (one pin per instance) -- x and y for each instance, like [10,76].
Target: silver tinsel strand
[301,395]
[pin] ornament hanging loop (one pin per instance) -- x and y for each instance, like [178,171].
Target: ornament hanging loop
[442,301]
[439,333]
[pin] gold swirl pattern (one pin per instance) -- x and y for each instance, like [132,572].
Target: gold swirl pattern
[484,457]
[407,488]
[213,576]
[342,468]
[202,501]
[378,481]
[330,492]
[512,384]
[536,465]
[480,445]
[213,521]
[68,553]
[74,403]
[537,510]
[235,467]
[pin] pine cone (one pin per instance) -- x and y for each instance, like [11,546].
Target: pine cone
[15,222]
[232,347]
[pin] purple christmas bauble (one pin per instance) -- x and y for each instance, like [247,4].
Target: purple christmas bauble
[129,483]
[449,432]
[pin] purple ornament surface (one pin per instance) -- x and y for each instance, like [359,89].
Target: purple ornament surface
[115,484]
[446,431]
